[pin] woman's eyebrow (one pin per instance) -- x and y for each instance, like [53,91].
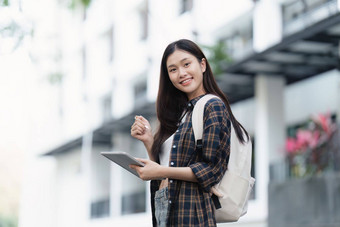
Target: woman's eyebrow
[173,65]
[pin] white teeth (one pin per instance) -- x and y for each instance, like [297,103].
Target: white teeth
[185,81]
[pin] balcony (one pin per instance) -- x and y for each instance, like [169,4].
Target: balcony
[238,37]
[300,14]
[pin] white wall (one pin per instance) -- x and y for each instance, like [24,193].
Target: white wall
[71,196]
[313,96]
[38,197]
[100,174]
[212,16]
[267,24]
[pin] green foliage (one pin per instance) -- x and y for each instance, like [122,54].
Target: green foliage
[73,4]
[14,31]
[313,149]
[86,3]
[8,221]
[55,78]
[4,3]
[218,57]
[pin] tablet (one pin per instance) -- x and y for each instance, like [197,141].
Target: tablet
[123,159]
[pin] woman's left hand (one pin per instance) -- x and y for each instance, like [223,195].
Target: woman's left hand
[151,170]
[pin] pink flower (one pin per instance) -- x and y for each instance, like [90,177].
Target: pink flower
[303,137]
[311,145]
[314,139]
[324,120]
[291,145]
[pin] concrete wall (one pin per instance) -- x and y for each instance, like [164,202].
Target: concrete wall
[311,202]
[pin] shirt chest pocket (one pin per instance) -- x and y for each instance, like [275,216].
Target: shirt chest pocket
[186,149]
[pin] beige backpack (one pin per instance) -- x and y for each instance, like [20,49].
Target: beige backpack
[236,185]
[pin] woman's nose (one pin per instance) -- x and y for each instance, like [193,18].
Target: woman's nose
[182,72]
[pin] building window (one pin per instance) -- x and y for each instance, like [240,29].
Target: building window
[186,5]
[140,91]
[239,43]
[134,203]
[100,178]
[111,43]
[144,19]
[107,108]
[134,198]
[140,88]
[100,209]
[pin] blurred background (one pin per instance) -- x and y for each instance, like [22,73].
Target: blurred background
[74,73]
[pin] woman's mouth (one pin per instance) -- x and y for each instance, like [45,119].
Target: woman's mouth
[186,82]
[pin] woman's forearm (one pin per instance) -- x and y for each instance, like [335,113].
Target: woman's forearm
[178,173]
[148,147]
[153,170]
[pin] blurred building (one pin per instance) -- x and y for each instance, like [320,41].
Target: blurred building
[104,68]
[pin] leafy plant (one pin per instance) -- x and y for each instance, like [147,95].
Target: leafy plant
[8,221]
[73,4]
[55,78]
[4,3]
[311,151]
[12,33]
[218,57]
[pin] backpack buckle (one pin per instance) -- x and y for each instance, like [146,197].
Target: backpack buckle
[216,202]
[199,145]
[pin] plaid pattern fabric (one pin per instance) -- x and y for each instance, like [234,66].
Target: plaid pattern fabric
[190,204]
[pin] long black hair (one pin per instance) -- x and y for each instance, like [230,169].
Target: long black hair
[171,102]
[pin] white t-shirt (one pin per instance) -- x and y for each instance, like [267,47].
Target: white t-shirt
[164,155]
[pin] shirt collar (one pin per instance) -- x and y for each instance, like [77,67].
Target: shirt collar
[193,101]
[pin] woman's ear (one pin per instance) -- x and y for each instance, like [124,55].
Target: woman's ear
[203,64]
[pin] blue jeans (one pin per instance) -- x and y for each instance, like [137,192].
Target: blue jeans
[161,206]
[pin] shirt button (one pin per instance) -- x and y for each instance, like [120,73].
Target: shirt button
[177,130]
[172,163]
[189,104]
[170,201]
[171,181]
[174,146]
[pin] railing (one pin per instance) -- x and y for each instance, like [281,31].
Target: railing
[300,14]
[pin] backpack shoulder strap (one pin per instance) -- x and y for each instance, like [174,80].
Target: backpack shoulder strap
[197,116]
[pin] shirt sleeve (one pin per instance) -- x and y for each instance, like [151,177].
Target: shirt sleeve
[216,145]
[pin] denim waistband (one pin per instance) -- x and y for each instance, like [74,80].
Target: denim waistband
[162,193]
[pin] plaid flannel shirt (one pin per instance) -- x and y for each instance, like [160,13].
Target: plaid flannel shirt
[190,203]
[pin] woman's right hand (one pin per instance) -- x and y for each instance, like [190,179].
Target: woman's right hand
[141,130]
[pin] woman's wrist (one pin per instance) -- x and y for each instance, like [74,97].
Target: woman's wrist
[163,172]
[166,172]
[148,144]
[178,173]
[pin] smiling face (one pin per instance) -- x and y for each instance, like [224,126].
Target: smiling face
[186,73]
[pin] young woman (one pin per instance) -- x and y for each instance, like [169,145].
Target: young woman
[183,195]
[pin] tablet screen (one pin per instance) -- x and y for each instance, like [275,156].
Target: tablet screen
[123,159]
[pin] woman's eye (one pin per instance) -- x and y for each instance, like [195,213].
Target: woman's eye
[187,64]
[172,70]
